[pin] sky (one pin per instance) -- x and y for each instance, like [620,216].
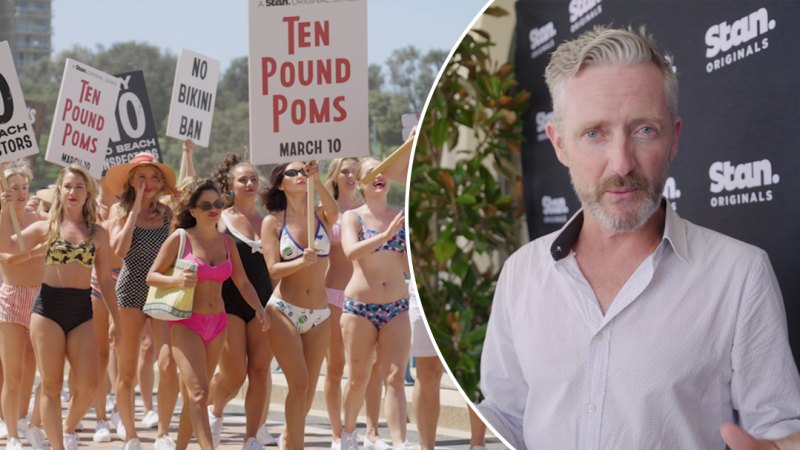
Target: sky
[218,28]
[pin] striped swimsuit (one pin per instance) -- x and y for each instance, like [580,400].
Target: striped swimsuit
[132,282]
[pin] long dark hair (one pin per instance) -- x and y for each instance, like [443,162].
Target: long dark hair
[273,198]
[188,199]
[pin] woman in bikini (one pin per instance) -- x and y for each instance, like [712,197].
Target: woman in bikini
[375,311]
[341,182]
[246,352]
[197,341]
[61,323]
[140,227]
[22,276]
[300,333]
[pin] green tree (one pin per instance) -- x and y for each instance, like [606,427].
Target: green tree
[463,213]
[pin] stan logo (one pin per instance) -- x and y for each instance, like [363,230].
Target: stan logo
[264,3]
[542,39]
[583,11]
[542,118]
[671,192]
[722,38]
[554,210]
[729,178]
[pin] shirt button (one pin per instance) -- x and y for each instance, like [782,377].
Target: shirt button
[592,408]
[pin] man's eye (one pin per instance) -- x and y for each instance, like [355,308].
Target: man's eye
[592,134]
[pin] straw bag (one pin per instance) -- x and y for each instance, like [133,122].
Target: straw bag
[172,303]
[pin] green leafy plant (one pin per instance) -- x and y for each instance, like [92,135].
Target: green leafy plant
[462,214]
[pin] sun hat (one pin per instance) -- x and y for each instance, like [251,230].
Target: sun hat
[47,194]
[117,176]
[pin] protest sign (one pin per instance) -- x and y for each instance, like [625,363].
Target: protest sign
[84,117]
[136,130]
[308,80]
[193,93]
[17,138]
[36,116]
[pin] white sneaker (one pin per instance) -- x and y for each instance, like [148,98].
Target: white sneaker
[133,444]
[264,437]
[164,443]
[102,432]
[336,445]
[216,426]
[110,403]
[3,430]
[121,430]
[280,441]
[64,395]
[114,419]
[70,441]
[349,440]
[35,437]
[22,426]
[14,444]
[377,444]
[253,444]
[150,419]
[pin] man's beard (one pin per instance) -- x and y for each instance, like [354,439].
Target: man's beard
[630,218]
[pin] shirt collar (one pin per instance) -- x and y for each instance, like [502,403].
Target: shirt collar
[674,233]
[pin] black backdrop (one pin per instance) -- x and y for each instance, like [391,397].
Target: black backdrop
[738,65]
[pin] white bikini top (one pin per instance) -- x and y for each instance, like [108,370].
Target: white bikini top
[255,246]
[290,249]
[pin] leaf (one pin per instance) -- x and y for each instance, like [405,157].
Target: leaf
[439,132]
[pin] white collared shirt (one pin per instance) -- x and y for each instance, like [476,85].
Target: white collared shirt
[696,333]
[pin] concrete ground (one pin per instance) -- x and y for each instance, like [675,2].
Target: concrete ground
[453,431]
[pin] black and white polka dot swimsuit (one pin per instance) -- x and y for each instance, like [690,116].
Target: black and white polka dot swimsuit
[132,282]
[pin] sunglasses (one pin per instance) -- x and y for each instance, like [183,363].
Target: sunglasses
[291,173]
[208,206]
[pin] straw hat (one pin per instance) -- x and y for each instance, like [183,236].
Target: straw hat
[117,176]
[47,194]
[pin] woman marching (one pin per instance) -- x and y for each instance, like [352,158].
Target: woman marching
[376,304]
[22,279]
[298,308]
[246,351]
[141,225]
[197,341]
[341,182]
[61,324]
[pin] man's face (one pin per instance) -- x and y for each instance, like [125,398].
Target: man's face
[617,137]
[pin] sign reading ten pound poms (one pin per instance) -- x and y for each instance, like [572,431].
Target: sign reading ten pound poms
[308,80]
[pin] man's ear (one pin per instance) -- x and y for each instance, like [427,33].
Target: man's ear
[558,142]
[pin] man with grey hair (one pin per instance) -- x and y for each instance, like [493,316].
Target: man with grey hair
[631,328]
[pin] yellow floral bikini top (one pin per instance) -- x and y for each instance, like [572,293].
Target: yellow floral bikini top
[62,252]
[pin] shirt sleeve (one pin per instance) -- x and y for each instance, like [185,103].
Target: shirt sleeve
[765,386]
[502,380]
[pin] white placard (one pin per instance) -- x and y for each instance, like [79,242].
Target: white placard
[308,80]
[17,139]
[193,93]
[84,117]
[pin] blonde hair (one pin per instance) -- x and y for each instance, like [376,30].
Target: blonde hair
[334,167]
[20,168]
[604,46]
[57,208]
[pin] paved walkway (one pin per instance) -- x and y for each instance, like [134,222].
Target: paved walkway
[453,432]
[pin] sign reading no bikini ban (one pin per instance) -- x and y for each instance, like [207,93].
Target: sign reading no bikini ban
[17,139]
[84,118]
[308,80]
[193,93]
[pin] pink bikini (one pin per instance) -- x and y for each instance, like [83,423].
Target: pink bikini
[208,326]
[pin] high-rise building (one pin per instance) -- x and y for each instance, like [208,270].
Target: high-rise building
[27,26]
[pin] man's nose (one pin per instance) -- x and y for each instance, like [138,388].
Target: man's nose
[621,156]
